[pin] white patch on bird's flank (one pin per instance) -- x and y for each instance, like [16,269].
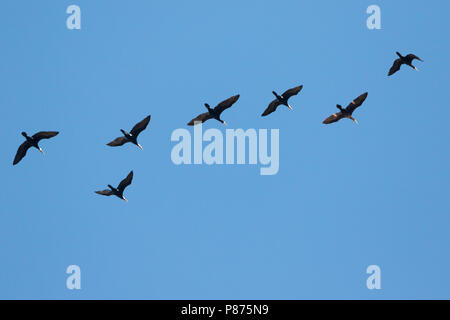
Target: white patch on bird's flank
[236,147]
[374,21]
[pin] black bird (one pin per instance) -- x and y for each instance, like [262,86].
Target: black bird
[214,113]
[403,60]
[32,142]
[118,192]
[281,100]
[347,112]
[132,136]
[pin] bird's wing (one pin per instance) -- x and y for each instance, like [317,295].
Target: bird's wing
[411,57]
[200,118]
[139,127]
[292,92]
[226,104]
[356,103]
[125,182]
[117,142]
[333,118]
[45,135]
[21,152]
[105,192]
[395,67]
[271,108]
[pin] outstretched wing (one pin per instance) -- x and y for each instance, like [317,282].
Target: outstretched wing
[105,192]
[139,127]
[333,118]
[117,142]
[21,152]
[395,67]
[292,92]
[125,182]
[226,104]
[356,103]
[44,135]
[200,118]
[271,108]
[411,57]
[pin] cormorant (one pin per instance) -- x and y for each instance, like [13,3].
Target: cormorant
[403,60]
[118,192]
[347,112]
[214,113]
[281,100]
[132,136]
[32,142]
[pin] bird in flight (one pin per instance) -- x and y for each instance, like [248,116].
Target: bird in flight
[347,112]
[214,113]
[32,142]
[403,60]
[118,192]
[132,136]
[281,100]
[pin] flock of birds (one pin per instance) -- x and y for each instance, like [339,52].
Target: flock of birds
[212,113]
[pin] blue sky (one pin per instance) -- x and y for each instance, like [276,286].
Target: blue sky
[346,196]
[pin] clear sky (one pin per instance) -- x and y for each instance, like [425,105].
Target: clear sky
[346,196]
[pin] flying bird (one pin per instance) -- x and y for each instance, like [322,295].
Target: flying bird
[347,112]
[281,100]
[214,113]
[118,192]
[403,60]
[132,136]
[32,142]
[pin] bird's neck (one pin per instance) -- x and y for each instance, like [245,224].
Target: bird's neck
[277,95]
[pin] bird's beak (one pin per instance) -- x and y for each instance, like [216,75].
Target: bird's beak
[415,68]
[140,146]
[125,199]
[42,151]
[355,120]
[290,107]
[224,123]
